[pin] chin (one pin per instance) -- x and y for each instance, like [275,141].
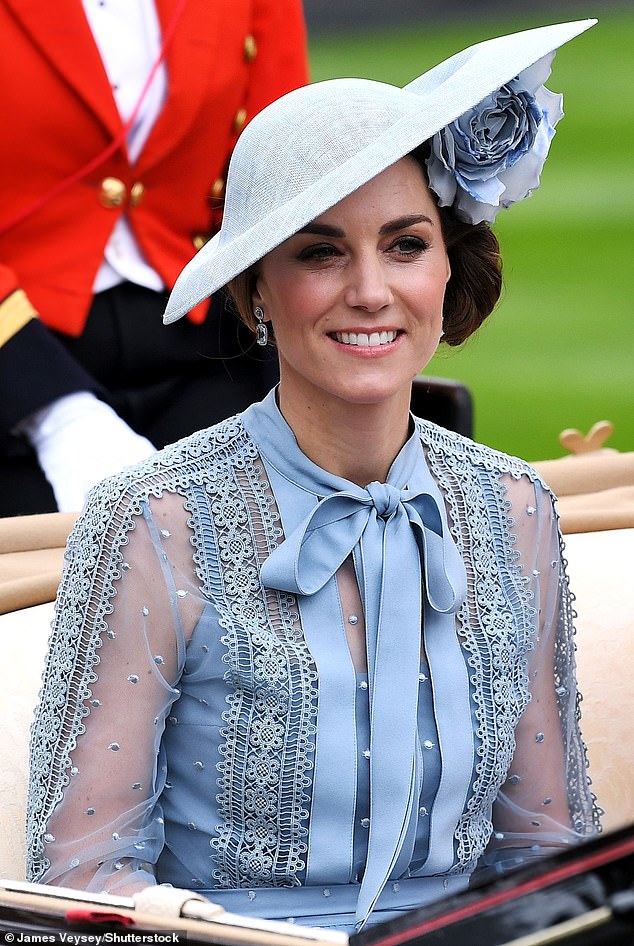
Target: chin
[374,394]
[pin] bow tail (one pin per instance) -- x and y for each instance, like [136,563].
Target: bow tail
[393,626]
[444,570]
[315,549]
[379,870]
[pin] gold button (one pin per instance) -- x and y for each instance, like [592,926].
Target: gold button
[217,188]
[112,192]
[240,120]
[136,193]
[250,48]
[199,240]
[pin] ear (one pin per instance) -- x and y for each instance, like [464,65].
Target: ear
[256,295]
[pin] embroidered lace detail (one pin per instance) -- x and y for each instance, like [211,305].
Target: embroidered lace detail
[264,797]
[271,715]
[497,627]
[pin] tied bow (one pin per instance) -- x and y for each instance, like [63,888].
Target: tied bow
[404,556]
[312,554]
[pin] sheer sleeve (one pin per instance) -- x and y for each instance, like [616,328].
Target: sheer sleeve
[127,603]
[545,803]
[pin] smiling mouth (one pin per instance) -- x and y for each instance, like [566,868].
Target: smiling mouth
[364,340]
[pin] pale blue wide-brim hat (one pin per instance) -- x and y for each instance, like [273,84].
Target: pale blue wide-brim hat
[316,145]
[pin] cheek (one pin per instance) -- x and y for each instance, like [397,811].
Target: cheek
[426,296]
[281,293]
[443,274]
[303,300]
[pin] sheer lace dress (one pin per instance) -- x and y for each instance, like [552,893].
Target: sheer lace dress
[204,725]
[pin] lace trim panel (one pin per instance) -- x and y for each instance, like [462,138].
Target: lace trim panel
[270,720]
[497,627]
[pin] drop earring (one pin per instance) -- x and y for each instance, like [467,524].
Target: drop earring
[261,331]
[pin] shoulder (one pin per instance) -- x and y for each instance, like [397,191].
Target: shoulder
[178,469]
[462,465]
[211,448]
[208,450]
[482,485]
[461,452]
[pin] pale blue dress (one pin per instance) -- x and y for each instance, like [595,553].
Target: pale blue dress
[202,723]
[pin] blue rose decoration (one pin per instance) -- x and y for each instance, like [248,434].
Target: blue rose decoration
[492,156]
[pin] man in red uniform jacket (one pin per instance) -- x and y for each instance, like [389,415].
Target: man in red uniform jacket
[89,377]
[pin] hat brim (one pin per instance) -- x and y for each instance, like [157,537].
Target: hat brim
[431,102]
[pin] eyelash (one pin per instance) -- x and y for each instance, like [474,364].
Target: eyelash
[408,246]
[415,245]
[317,252]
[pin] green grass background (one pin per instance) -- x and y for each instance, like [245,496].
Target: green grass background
[559,350]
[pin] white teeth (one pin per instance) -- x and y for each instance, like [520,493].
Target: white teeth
[362,339]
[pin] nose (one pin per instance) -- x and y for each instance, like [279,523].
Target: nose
[368,287]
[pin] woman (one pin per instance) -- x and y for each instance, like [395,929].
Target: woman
[239,698]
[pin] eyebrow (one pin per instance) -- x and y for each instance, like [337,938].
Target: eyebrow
[402,223]
[394,226]
[322,229]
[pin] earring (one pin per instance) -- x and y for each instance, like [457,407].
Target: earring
[261,331]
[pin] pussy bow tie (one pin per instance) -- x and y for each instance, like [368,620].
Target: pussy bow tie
[404,556]
[378,518]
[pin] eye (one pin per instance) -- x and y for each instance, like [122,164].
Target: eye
[409,246]
[317,251]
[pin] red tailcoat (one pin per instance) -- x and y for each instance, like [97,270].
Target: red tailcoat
[226,60]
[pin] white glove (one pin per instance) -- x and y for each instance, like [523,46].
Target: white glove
[79,441]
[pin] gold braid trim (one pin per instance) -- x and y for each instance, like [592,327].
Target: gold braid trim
[15,312]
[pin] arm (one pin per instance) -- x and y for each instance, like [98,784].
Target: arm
[545,803]
[115,658]
[48,397]
[35,368]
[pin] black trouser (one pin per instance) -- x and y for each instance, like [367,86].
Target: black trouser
[165,381]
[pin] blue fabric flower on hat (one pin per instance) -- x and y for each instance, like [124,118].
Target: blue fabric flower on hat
[492,156]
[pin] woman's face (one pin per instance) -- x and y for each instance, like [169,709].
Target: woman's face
[355,298]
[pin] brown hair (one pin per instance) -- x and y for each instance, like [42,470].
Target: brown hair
[241,289]
[473,289]
[475,284]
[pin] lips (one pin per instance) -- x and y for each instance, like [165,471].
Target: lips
[364,340]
